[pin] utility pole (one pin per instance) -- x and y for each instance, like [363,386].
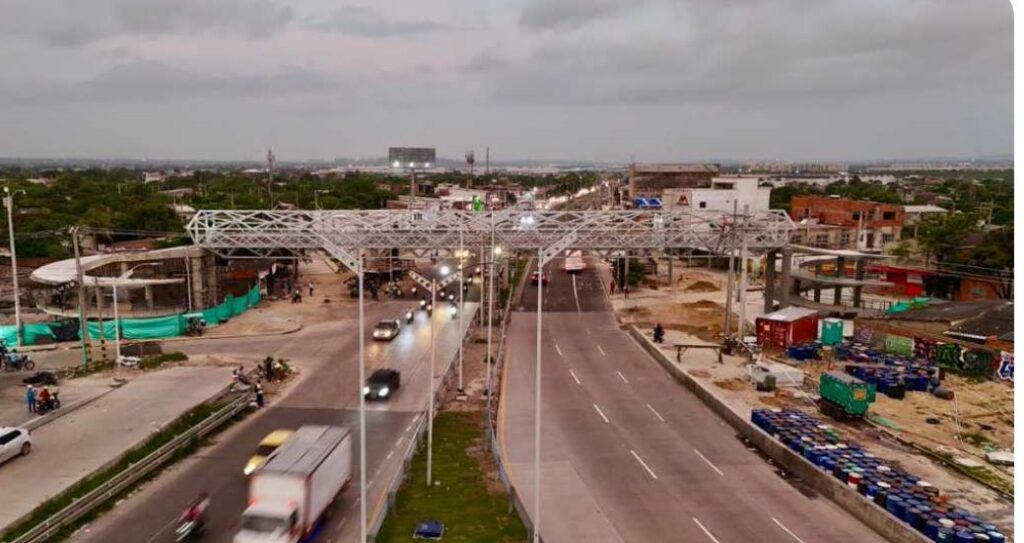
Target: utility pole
[727,329]
[742,326]
[9,204]
[270,178]
[81,297]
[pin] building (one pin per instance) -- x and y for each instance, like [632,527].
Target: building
[651,180]
[914,214]
[726,194]
[874,225]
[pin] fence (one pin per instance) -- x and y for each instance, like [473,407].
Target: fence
[136,328]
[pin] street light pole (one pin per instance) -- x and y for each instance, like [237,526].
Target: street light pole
[536,405]
[362,408]
[430,387]
[9,204]
[462,275]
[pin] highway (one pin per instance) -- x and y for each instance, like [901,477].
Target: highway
[627,453]
[326,394]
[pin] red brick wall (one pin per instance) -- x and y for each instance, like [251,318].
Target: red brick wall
[840,211]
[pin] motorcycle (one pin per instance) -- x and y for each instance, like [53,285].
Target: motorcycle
[43,407]
[423,304]
[13,362]
[190,526]
[430,309]
[408,316]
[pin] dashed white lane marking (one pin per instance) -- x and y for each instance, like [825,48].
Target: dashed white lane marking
[706,532]
[644,464]
[575,294]
[390,454]
[599,412]
[708,462]
[623,377]
[791,534]
[577,379]
[343,521]
[656,414]
[559,350]
[602,351]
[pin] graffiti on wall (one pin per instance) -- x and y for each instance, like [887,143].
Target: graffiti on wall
[1005,371]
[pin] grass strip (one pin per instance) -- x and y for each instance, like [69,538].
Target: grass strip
[460,497]
[83,487]
[153,362]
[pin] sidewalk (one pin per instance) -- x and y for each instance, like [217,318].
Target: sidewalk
[85,440]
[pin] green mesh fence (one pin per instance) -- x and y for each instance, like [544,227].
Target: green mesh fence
[154,328]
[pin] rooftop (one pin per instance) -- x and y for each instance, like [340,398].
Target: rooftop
[789,314]
[927,208]
[675,168]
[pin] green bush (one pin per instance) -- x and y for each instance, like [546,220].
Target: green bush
[153,362]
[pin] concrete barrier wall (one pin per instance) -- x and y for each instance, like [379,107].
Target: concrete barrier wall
[875,517]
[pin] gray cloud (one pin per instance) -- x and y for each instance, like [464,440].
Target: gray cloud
[156,82]
[71,23]
[568,14]
[368,22]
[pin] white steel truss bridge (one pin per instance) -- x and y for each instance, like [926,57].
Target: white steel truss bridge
[262,234]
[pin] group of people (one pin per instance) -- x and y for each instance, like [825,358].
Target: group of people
[297,292]
[613,285]
[257,387]
[37,399]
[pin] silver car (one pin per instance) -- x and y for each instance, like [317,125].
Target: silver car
[14,442]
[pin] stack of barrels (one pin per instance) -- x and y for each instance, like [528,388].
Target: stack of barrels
[890,487]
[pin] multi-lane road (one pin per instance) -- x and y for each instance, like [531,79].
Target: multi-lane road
[627,453]
[326,394]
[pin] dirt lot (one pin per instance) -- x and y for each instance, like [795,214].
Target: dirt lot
[703,319]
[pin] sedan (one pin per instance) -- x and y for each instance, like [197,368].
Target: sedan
[14,442]
[386,330]
[382,384]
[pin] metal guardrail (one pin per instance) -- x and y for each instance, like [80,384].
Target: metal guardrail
[130,475]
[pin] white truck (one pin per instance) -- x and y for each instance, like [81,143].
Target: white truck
[574,262]
[288,496]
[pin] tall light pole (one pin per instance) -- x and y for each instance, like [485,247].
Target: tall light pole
[9,204]
[430,391]
[536,405]
[117,317]
[362,405]
[495,253]
[462,275]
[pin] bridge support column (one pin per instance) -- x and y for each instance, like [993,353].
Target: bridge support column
[840,271]
[858,274]
[769,280]
[787,277]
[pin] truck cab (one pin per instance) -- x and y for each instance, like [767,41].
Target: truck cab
[270,522]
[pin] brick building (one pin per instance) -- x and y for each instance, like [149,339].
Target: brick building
[880,224]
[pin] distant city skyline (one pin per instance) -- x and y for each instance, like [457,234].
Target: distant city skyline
[571,80]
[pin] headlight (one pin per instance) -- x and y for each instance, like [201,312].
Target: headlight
[384,391]
[366,390]
[249,468]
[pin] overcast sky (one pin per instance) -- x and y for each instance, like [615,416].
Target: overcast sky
[658,80]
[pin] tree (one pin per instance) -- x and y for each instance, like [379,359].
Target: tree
[942,235]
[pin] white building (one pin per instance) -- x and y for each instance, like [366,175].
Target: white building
[725,195]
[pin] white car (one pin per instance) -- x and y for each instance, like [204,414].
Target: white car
[14,442]
[386,330]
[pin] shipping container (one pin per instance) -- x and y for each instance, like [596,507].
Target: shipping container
[782,328]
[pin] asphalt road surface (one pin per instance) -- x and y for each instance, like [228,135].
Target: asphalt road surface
[627,453]
[328,394]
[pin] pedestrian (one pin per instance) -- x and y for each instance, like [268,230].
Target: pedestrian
[30,395]
[625,290]
[259,394]
[310,289]
[611,286]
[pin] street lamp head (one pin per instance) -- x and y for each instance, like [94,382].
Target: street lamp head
[497,251]
[445,270]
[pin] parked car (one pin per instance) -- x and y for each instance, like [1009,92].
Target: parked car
[386,330]
[539,277]
[382,384]
[14,442]
[268,445]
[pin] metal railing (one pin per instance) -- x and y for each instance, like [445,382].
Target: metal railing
[130,475]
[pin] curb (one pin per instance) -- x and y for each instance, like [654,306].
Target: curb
[39,422]
[874,517]
[78,345]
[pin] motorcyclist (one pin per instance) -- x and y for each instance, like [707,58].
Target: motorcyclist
[659,333]
[196,511]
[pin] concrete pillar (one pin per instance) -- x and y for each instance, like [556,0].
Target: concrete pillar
[99,317]
[769,281]
[840,266]
[858,274]
[787,277]
[817,286]
[149,297]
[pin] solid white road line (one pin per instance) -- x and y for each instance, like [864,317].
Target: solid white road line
[706,532]
[343,521]
[599,412]
[623,377]
[559,350]
[577,379]
[791,534]
[656,414]
[644,464]
[390,454]
[575,294]
[708,462]
[602,351]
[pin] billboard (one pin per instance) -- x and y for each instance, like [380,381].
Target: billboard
[412,157]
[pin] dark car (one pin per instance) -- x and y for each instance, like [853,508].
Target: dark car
[382,384]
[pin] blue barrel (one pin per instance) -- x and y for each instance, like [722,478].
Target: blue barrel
[945,535]
[895,505]
[996,537]
[931,529]
[963,536]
